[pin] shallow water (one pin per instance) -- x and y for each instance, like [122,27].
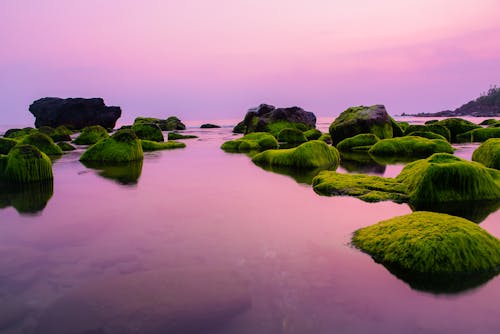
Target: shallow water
[200,207]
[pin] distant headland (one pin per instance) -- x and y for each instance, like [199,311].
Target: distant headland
[487,105]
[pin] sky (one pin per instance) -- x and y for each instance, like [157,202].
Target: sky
[204,60]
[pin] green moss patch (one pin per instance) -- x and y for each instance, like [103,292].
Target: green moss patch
[276,127]
[427,134]
[290,135]
[434,128]
[61,133]
[313,134]
[359,142]
[478,135]
[410,146]
[169,124]
[66,147]
[326,138]
[25,164]
[177,135]
[313,154]
[148,131]
[6,144]
[122,146]
[432,247]
[457,126]
[43,142]
[148,145]
[488,153]
[91,135]
[256,141]
[19,133]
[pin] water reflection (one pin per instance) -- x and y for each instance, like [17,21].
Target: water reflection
[360,162]
[123,173]
[475,211]
[302,176]
[27,199]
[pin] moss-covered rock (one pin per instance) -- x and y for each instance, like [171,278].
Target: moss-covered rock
[276,127]
[6,144]
[368,188]
[457,126]
[177,135]
[427,134]
[290,135]
[446,178]
[410,146]
[122,146]
[256,141]
[312,154]
[489,121]
[397,131]
[43,142]
[91,135]
[403,125]
[478,135]
[434,128]
[435,251]
[148,131]
[169,124]
[25,164]
[66,147]
[240,127]
[61,133]
[326,138]
[356,120]
[488,153]
[361,142]
[313,134]
[148,145]
[19,133]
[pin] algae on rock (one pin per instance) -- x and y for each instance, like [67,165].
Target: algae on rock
[488,153]
[91,135]
[43,142]
[148,145]
[361,142]
[122,146]
[410,146]
[25,164]
[256,141]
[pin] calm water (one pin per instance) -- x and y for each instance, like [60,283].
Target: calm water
[202,208]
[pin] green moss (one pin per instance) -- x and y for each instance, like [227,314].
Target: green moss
[490,121]
[177,135]
[65,147]
[313,134]
[25,164]
[410,146]
[365,140]
[275,127]
[430,243]
[289,135]
[478,135]
[326,138]
[173,123]
[19,133]
[397,131]
[365,187]
[61,133]
[432,121]
[427,134]
[148,145]
[91,135]
[446,178]
[240,127]
[43,142]
[122,146]
[457,126]
[125,173]
[312,154]
[6,144]
[403,125]
[148,131]
[488,153]
[256,141]
[434,128]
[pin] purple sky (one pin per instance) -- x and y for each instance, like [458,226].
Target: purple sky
[203,60]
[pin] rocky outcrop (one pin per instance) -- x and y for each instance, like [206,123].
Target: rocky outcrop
[74,113]
[260,118]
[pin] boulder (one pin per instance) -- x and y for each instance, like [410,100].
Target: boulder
[256,141]
[313,134]
[479,135]
[209,126]
[361,142]
[410,146]
[25,164]
[292,136]
[149,145]
[148,131]
[43,142]
[122,146]
[356,120]
[74,113]
[457,126]
[193,300]
[263,117]
[6,144]
[177,135]
[488,153]
[169,124]
[91,135]
[434,128]
[66,147]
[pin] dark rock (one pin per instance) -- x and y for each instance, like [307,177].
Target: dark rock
[209,126]
[74,113]
[258,119]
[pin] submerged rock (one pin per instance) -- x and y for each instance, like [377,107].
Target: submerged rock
[313,154]
[209,126]
[292,136]
[148,131]
[257,141]
[169,124]
[74,113]
[25,164]
[169,301]
[313,134]
[433,127]
[356,120]
[61,133]
[457,126]
[19,133]
[177,135]
[478,135]
[122,146]
[488,153]
[426,134]
[43,142]
[410,146]
[432,251]
[91,135]
[148,145]
[66,147]
[361,142]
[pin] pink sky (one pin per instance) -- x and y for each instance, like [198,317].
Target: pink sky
[204,60]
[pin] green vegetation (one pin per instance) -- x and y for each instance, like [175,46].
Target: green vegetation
[457,126]
[313,134]
[276,127]
[430,243]
[488,153]
[177,135]
[427,134]
[289,135]
[326,138]
[25,164]
[365,187]
[169,124]
[148,145]
[403,126]
[361,142]
[65,147]
[434,128]
[410,146]
[397,131]
[6,144]
[91,135]
[43,142]
[122,146]
[478,135]
[256,141]
[61,133]
[312,154]
[489,122]
[148,131]
[240,127]
[19,133]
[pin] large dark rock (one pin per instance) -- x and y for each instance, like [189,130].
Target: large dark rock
[74,113]
[258,119]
